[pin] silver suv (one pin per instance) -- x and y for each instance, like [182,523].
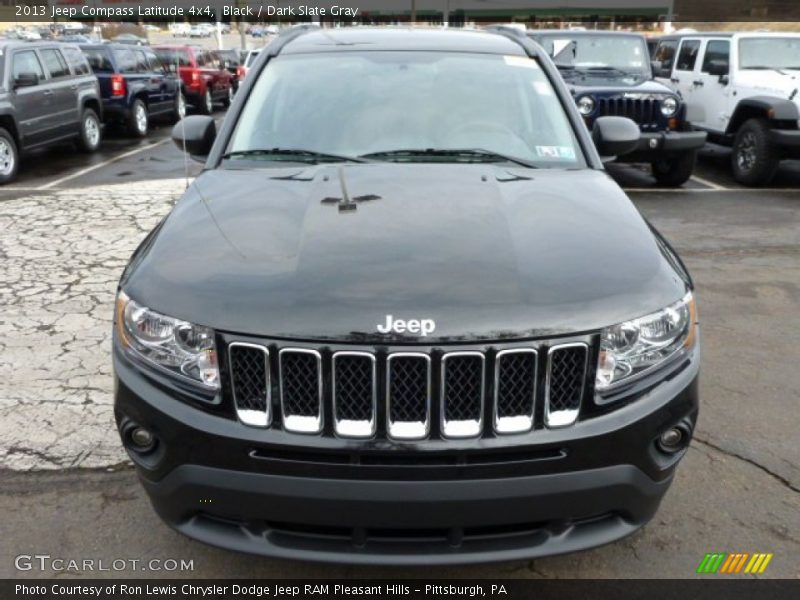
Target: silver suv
[48,95]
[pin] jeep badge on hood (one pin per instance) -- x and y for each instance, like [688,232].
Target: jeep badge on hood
[422,326]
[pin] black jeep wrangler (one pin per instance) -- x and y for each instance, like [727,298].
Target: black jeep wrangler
[609,73]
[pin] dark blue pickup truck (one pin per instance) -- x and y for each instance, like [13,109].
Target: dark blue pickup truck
[134,85]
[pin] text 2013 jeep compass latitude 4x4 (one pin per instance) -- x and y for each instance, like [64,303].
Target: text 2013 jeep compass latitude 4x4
[404,315]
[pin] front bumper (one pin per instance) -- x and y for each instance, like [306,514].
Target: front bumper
[660,144]
[311,498]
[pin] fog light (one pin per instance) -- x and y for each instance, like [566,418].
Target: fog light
[142,438]
[672,440]
[654,143]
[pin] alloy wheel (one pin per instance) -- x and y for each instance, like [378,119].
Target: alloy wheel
[746,153]
[7,159]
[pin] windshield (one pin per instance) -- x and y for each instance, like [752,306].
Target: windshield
[623,52]
[362,103]
[769,52]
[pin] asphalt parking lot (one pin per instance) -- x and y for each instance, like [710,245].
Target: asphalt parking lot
[70,222]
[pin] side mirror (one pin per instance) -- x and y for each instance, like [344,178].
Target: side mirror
[718,67]
[195,134]
[26,80]
[614,136]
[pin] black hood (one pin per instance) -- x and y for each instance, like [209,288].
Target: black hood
[487,252]
[608,84]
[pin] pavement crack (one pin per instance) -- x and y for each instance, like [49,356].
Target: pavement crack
[780,478]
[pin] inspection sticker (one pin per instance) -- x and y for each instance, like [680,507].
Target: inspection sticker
[521,61]
[563,152]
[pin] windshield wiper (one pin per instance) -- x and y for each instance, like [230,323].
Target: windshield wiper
[297,154]
[467,155]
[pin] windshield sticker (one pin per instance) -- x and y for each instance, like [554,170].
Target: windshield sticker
[556,152]
[542,88]
[521,61]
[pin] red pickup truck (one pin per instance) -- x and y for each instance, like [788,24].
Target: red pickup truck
[205,78]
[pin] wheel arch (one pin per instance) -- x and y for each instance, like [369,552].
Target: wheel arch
[8,123]
[773,109]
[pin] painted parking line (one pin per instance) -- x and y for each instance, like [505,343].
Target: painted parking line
[110,161]
[708,183]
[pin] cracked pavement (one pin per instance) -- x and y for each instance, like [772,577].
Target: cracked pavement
[62,255]
[738,489]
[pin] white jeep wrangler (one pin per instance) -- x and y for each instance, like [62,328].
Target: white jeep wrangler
[742,89]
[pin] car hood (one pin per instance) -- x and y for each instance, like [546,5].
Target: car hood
[610,85]
[488,253]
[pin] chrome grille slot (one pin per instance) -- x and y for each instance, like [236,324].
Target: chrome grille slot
[514,390]
[566,375]
[301,390]
[250,383]
[462,390]
[408,393]
[644,111]
[354,394]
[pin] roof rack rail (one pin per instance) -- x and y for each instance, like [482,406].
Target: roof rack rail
[287,35]
[516,35]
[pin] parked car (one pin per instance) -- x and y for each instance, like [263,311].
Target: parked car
[744,87]
[180,29]
[135,86]
[609,73]
[205,79]
[403,318]
[250,58]
[51,97]
[129,38]
[232,61]
[75,39]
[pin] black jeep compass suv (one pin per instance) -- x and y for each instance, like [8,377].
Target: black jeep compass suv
[404,315]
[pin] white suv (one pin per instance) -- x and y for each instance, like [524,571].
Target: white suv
[743,90]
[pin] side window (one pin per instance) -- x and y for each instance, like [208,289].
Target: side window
[665,54]
[716,51]
[201,59]
[141,62]
[126,61]
[27,62]
[688,55]
[54,63]
[153,62]
[77,61]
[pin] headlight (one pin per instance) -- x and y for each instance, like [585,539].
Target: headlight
[177,346]
[632,347]
[669,106]
[585,105]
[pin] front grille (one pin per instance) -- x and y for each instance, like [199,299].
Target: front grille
[515,390]
[644,111]
[408,385]
[391,393]
[462,394]
[301,390]
[565,371]
[250,383]
[354,394]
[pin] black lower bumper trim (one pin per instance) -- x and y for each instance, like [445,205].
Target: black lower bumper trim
[367,522]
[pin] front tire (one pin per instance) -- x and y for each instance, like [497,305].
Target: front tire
[229,98]
[89,138]
[9,157]
[179,111]
[139,119]
[754,159]
[674,171]
[207,104]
